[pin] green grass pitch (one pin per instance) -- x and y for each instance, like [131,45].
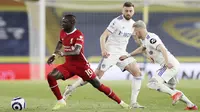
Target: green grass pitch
[39,97]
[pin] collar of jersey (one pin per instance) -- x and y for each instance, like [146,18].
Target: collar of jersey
[147,37]
[71,32]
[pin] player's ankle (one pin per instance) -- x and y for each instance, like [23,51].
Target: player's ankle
[121,102]
[190,105]
[61,100]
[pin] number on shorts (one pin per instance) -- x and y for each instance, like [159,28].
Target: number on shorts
[89,72]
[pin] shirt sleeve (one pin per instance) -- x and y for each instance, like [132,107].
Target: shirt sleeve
[80,40]
[112,26]
[155,42]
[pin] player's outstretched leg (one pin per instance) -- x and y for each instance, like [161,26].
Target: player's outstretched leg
[52,77]
[70,88]
[190,105]
[157,83]
[107,91]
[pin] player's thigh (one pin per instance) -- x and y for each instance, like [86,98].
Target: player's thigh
[106,63]
[65,71]
[86,73]
[129,64]
[168,74]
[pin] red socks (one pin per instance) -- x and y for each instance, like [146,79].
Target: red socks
[109,93]
[54,87]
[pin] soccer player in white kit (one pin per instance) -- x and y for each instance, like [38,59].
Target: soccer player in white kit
[113,43]
[165,81]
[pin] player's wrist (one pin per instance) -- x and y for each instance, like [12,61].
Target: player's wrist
[129,55]
[53,54]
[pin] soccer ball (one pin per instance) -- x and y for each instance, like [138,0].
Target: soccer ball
[18,103]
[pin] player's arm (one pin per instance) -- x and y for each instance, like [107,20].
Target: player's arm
[112,27]
[139,43]
[164,53]
[103,38]
[76,51]
[58,47]
[139,50]
[135,52]
[57,50]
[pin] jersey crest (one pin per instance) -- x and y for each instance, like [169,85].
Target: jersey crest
[71,40]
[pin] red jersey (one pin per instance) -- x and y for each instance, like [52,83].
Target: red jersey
[69,40]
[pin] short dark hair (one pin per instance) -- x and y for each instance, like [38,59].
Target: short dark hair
[128,4]
[71,17]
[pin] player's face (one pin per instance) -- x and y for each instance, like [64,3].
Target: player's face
[128,12]
[138,32]
[66,23]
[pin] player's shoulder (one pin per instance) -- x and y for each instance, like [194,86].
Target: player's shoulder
[118,18]
[152,38]
[152,35]
[78,33]
[62,33]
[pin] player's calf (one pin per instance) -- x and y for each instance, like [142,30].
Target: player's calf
[51,78]
[107,91]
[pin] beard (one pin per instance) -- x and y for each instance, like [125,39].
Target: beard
[127,17]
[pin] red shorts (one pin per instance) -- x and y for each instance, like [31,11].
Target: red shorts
[68,71]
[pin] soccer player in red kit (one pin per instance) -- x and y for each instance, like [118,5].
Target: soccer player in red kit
[75,63]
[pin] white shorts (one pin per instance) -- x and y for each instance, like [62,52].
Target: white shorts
[106,63]
[168,74]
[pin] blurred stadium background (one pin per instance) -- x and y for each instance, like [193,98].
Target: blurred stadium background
[29,31]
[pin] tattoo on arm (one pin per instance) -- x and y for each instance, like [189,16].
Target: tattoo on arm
[58,47]
[76,51]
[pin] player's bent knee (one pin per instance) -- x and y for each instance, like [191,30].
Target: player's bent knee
[153,84]
[95,83]
[138,74]
[56,74]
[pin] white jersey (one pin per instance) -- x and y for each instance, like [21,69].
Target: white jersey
[121,30]
[151,43]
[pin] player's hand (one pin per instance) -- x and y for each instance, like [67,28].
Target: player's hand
[51,59]
[169,65]
[60,53]
[105,54]
[123,57]
[150,59]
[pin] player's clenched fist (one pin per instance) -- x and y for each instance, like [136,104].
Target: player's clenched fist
[123,57]
[51,59]
[105,54]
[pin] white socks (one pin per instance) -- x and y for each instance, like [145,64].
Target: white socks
[136,85]
[166,89]
[78,83]
[185,99]
[61,101]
